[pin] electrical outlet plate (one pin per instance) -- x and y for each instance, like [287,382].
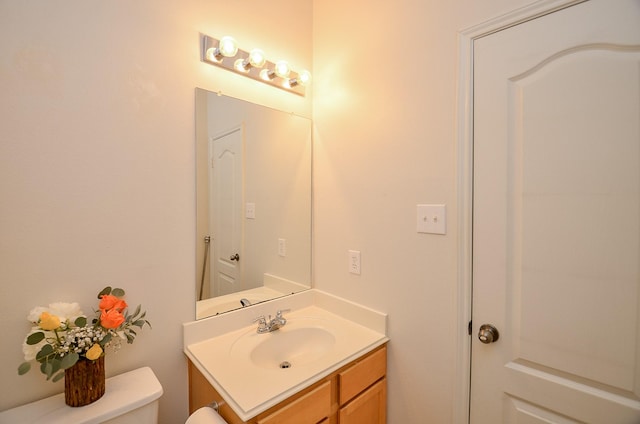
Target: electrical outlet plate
[282,247]
[431,219]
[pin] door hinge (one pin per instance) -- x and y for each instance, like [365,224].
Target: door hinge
[470,327]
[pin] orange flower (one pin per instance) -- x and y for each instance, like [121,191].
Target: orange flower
[111,318]
[109,302]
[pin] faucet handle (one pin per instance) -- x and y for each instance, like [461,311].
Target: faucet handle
[281,311]
[263,327]
[262,323]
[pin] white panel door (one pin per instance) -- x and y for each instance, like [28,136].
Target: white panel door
[226,211]
[556,218]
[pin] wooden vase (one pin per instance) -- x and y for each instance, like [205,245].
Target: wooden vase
[84,382]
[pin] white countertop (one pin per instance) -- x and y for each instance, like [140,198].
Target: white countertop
[217,347]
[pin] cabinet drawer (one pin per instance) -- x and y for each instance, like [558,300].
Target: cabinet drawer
[370,407]
[309,409]
[362,375]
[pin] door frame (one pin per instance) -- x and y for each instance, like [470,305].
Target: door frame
[464,129]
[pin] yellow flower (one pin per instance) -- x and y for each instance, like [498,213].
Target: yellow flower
[94,352]
[48,321]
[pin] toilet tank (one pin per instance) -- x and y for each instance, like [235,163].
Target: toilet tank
[129,398]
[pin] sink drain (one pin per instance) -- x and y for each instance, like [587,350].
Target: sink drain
[285,364]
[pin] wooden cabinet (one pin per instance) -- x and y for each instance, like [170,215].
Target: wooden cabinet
[354,394]
[363,390]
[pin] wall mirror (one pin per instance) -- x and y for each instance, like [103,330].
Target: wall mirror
[253,185]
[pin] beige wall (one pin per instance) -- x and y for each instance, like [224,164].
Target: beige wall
[385,115]
[97,168]
[97,161]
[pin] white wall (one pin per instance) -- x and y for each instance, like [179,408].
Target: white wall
[97,161]
[385,115]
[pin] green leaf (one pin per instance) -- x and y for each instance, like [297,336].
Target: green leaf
[106,290]
[117,292]
[35,338]
[69,360]
[58,376]
[135,314]
[48,369]
[106,339]
[140,323]
[55,365]
[130,338]
[44,353]
[24,368]
[80,321]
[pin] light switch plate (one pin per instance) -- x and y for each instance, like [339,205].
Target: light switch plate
[431,219]
[282,247]
[250,211]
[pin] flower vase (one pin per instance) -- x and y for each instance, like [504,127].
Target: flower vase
[84,382]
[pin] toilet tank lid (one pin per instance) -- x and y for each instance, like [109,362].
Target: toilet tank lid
[123,393]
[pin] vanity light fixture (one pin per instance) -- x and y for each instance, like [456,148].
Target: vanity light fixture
[226,54]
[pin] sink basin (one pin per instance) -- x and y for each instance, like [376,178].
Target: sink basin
[302,341]
[286,349]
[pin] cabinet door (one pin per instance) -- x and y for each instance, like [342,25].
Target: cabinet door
[370,407]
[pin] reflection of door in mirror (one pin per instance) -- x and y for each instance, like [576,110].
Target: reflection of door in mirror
[255,203]
[225,221]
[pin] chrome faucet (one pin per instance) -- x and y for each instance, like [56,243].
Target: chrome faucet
[267,326]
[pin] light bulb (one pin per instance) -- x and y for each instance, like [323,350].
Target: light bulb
[212,54]
[303,78]
[256,58]
[239,64]
[267,75]
[227,47]
[282,69]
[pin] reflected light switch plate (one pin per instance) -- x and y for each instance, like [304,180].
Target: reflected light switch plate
[250,211]
[431,219]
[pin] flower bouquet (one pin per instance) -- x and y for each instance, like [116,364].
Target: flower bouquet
[62,337]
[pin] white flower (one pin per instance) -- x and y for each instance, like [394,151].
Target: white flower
[34,314]
[66,311]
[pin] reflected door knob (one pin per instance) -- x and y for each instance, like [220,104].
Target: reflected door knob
[235,257]
[488,334]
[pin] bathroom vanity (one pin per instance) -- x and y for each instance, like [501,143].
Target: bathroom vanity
[326,364]
[354,394]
